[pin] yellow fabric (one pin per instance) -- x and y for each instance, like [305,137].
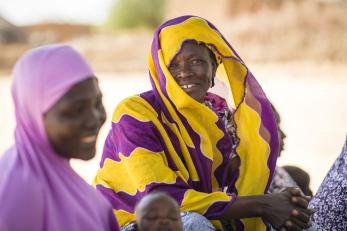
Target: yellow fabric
[143,167]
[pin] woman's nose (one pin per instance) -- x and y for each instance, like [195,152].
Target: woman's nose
[184,72]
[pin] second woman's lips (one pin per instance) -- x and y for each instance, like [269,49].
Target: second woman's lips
[187,86]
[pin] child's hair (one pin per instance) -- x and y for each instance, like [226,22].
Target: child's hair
[301,177]
[153,197]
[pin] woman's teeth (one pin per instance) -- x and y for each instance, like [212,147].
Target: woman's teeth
[187,86]
[89,139]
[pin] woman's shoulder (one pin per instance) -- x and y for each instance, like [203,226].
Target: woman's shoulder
[20,182]
[21,198]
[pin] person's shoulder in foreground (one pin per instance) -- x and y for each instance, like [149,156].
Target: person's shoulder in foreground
[330,201]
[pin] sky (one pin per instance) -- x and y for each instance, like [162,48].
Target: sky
[26,12]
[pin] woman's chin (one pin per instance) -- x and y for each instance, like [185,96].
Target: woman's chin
[87,154]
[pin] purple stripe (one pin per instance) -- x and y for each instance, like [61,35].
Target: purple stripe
[232,187]
[119,200]
[175,144]
[269,122]
[109,151]
[129,134]
[124,201]
[217,209]
[173,22]
[225,147]
[239,225]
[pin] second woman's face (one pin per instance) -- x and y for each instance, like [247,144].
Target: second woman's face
[193,69]
[73,123]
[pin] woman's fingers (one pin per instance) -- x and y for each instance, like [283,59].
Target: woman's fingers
[299,201]
[295,191]
[303,215]
[300,223]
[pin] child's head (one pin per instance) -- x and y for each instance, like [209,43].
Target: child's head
[158,211]
[301,177]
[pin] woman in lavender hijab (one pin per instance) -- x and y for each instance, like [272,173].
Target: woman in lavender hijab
[59,113]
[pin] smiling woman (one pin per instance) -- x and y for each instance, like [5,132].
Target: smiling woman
[216,162]
[58,114]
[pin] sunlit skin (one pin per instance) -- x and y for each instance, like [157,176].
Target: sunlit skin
[73,122]
[194,68]
[158,213]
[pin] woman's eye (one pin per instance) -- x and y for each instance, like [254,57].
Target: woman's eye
[74,111]
[197,61]
[175,218]
[151,217]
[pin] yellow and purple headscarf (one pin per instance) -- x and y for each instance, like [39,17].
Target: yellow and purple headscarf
[164,140]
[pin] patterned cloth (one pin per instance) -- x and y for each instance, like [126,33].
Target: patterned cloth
[164,140]
[330,201]
[191,222]
[281,181]
[220,107]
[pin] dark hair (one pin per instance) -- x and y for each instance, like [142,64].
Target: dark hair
[301,177]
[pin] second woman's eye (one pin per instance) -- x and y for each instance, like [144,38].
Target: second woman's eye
[74,111]
[151,217]
[173,67]
[196,61]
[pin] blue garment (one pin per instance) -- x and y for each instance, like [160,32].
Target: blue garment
[191,222]
[330,202]
[195,222]
[314,227]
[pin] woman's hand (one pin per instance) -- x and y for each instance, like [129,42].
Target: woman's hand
[287,211]
[300,218]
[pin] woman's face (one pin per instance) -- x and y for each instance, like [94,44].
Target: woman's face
[73,123]
[193,68]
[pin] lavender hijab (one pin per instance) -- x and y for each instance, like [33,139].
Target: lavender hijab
[38,188]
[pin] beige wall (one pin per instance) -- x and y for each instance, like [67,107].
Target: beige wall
[214,10]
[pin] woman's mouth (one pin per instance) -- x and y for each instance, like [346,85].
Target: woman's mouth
[188,86]
[89,139]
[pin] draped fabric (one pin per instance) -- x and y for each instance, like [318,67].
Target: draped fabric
[38,188]
[164,140]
